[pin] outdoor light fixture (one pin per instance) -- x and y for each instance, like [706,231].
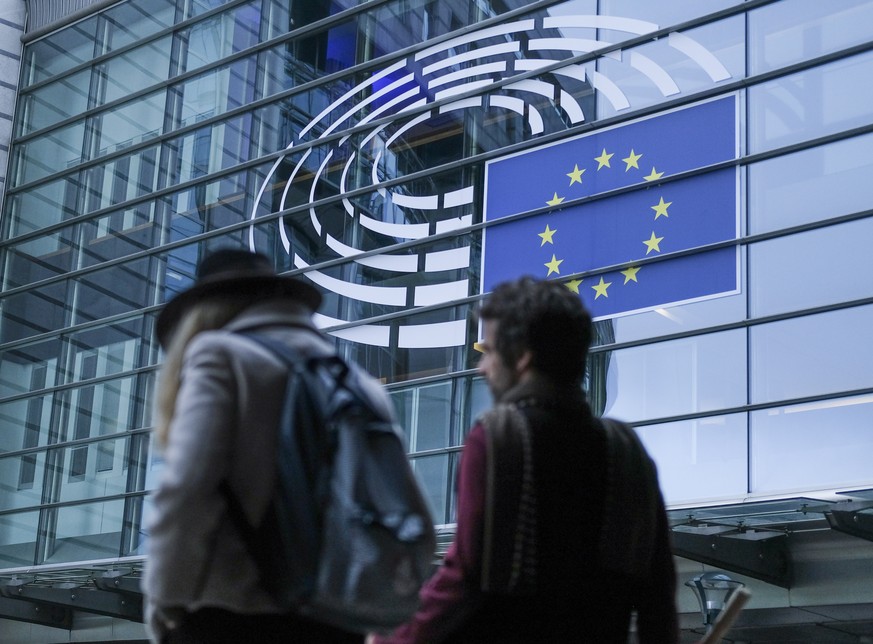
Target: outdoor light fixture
[713,590]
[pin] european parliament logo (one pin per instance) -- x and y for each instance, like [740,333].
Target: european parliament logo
[617,231]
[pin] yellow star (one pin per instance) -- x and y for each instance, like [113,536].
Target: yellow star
[653,175]
[576,175]
[652,243]
[631,160]
[603,159]
[600,289]
[630,274]
[573,285]
[553,266]
[661,208]
[554,201]
[547,236]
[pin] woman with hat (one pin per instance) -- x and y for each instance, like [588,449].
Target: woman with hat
[219,398]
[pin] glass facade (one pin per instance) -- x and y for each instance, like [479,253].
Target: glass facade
[352,142]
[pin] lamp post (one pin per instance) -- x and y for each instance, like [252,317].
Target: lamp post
[713,590]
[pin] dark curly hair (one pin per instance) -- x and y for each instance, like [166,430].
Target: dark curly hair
[545,317]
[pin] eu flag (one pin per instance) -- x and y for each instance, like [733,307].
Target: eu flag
[654,219]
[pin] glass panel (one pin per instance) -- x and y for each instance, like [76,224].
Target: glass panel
[54,152]
[85,532]
[136,69]
[28,368]
[217,91]
[222,35]
[783,33]
[810,104]
[663,14]
[135,19]
[121,179]
[21,479]
[131,123]
[824,445]
[33,312]
[114,290]
[38,259]
[46,205]
[210,149]
[432,473]
[54,102]
[424,413]
[825,266]
[60,51]
[18,539]
[812,355]
[93,470]
[811,185]
[678,377]
[700,460]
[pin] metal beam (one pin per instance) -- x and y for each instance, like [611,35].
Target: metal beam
[36,613]
[760,555]
[77,597]
[118,581]
[851,518]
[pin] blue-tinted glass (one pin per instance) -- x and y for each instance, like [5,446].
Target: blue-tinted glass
[678,377]
[48,154]
[813,355]
[136,69]
[425,415]
[811,185]
[222,35]
[812,103]
[18,534]
[133,20]
[60,51]
[85,532]
[699,460]
[45,205]
[820,445]
[53,102]
[432,473]
[824,266]
[33,312]
[131,123]
[783,33]
[217,91]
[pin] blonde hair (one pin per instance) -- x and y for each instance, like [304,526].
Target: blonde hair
[207,315]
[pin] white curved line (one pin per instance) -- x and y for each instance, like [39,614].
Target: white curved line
[700,55]
[567,103]
[610,90]
[286,243]
[371,334]
[469,72]
[499,30]
[459,197]
[390,229]
[464,103]
[432,336]
[460,89]
[419,202]
[448,225]
[389,295]
[406,127]
[585,45]
[400,82]
[342,99]
[509,102]
[446,260]
[375,113]
[312,216]
[629,25]
[475,54]
[440,293]
[393,263]
[571,106]
[662,80]
[535,87]
[598,81]
[258,198]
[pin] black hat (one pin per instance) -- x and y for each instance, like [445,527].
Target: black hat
[232,271]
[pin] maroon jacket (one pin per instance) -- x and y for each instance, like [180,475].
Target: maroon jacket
[576,598]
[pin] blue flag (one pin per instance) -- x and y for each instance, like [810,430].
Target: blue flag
[655,219]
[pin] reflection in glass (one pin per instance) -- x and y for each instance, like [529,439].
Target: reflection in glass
[783,33]
[677,377]
[53,103]
[432,473]
[812,103]
[130,124]
[424,414]
[136,69]
[18,534]
[42,206]
[60,51]
[811,185]
[33,312]
[54,152]
[812,355]
[222,35]
[114,290]
[133,20]
[824,266]
[825,445]
[85,532]
[699,460]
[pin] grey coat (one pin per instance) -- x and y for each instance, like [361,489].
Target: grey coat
[223,427]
